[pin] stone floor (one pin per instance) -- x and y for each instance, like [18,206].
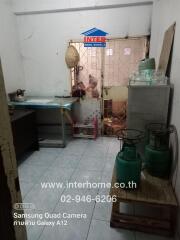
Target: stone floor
[80,161]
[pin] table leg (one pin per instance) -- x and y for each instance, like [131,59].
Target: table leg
[63,128]
[68,116]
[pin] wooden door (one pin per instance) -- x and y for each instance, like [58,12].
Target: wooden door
[9,184]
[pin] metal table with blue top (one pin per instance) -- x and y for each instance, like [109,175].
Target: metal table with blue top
[63,104]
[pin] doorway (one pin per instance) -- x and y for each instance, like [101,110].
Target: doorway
[103,74]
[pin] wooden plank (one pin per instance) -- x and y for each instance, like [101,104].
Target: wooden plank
[144,221]
[166,48]
[119,193]
[126,225]
[152,190]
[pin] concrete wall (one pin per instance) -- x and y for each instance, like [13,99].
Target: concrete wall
[26,6]
[9,48]
[44,35]
[165,12]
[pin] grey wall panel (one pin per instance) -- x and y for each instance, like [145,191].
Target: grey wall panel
[147,104]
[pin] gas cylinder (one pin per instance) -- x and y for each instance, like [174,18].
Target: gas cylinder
[128,161]
[157,151]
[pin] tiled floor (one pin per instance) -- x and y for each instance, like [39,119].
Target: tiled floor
[80,161]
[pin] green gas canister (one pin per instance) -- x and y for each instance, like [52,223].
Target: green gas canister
[128,161]
[157,151]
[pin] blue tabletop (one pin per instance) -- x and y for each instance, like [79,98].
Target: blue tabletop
[45,102]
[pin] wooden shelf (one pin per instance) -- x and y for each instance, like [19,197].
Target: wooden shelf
[89,130]
[81,125]
[83,136]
